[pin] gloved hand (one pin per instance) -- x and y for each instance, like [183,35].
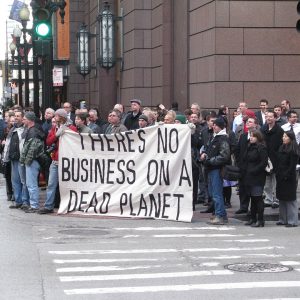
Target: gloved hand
[192,127]
[61,130]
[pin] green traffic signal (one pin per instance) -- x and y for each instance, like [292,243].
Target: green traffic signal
[43,29]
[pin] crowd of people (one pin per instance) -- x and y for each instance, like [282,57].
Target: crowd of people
[263,144]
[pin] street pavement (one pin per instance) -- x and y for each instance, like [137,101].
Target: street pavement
[65,257]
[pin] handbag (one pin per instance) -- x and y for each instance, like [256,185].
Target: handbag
[269,167]
[231,173]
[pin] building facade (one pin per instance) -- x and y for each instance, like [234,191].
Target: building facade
[211,52]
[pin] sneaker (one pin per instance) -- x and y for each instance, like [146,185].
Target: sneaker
[31,210]
[24,206]
[44,211]
[15,206]
[241,211]
[275,205]
[216,221]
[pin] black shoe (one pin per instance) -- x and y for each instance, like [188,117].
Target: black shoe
[267,205]
[275,205]
[291,225]
[241,211]
[31,210]
[15,206]
[250,222]
[280,223]
[228,205]
[44,211]
[25,206]
[258,224]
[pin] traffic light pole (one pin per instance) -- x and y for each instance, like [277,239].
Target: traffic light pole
[36,83]
[47,79]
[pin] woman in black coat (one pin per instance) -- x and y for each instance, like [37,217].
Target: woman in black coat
[254,176]
[286,187]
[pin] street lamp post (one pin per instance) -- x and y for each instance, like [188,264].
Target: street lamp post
[24,16]
[17,35]
[42,47]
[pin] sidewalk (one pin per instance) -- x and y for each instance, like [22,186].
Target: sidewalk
[270,213]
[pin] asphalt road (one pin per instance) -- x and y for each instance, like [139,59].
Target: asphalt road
[61,257]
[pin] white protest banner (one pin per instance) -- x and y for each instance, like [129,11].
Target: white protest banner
[145,173]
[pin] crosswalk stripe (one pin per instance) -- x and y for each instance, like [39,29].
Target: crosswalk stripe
[171,250]
[144,276]
[188,287]
[290,263]
[105,268]
[104,260]
[198,235]
[217,228]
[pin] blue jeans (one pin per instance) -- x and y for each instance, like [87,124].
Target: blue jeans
[52,185]
[215,190]
[18,181]
[32,182]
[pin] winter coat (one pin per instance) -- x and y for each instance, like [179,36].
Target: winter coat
[273,139]
[53,141]
[132,121]
[33,146]
[256,160]
[218,151]
[19,131]
[286,183]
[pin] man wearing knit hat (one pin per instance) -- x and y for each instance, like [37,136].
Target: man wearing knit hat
[143,121]
[32,149]
[132,119]
[215,156]
[63,123]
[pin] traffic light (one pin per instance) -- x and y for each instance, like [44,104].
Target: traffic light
[298,22]
[42,24]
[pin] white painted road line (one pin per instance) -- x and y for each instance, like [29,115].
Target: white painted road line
[290,263]
[247,241]
[188,287]
[105,268]
[198,235]
[171,250]
[104,260]
[144,276]
[223,228]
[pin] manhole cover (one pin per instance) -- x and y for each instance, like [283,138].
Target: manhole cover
[258,268]
[84,232]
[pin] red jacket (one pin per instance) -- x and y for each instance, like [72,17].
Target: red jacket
[52,139]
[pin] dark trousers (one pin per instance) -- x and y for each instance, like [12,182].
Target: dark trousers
[244,198]
[227,194]
[195,172]
[257,208]
[9,190]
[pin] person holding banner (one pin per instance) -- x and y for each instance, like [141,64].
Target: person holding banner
[214,157]
[132,118]
[115,125]
[63,123]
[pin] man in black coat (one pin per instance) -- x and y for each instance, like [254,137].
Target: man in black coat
[240,152]
[132,118]
[273,138]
